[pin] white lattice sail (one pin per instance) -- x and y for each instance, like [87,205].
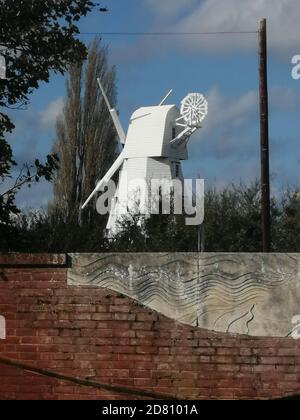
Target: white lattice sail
[194,108]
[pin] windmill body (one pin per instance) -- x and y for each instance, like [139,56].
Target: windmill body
[150,132]
[154,146]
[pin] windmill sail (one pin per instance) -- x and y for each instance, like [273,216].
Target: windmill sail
[114,115]
[165,98]
[109,174]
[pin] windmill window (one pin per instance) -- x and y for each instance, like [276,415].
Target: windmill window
[176,170]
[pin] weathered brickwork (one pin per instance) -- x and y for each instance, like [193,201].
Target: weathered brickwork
[120,348]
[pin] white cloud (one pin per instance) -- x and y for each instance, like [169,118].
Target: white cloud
[48,116]
[235,15]
[224,111]
[169,8]
[227,149]
[31,139]
[33,135]
[224,150]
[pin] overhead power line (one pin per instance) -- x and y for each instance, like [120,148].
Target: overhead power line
[171,33]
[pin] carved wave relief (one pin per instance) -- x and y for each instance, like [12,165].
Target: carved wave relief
[254,294]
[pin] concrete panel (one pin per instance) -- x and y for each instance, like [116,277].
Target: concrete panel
[254,294]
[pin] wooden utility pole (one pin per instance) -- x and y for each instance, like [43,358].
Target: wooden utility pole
[264,136]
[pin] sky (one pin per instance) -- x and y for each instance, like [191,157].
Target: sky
[223,67]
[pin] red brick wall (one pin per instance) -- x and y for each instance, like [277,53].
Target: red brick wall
[119,349]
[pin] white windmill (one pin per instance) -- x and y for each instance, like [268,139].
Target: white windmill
[154,146]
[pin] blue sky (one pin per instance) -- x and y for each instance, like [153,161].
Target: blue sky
[223,67]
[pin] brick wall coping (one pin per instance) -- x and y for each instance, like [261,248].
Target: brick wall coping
[16,259]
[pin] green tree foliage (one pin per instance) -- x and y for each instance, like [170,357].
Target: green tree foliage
[83,131]
[233,219]
[36,37]
[85,135]
[40,231]
[232,224]
[288,227]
